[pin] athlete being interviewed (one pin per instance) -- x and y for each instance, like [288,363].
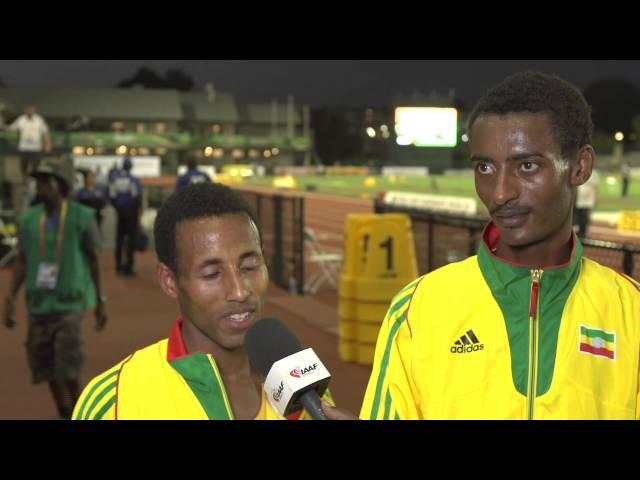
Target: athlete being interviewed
[528,328]
[211,262]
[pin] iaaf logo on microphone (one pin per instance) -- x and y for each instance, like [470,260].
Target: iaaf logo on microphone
[303,372]
[277,393]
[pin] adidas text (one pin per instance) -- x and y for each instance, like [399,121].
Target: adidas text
[467,348]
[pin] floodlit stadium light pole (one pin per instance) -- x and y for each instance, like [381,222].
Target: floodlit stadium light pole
[618,147]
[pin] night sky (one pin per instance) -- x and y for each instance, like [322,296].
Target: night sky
[319,83]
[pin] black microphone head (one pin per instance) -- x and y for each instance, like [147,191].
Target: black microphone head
[268,341]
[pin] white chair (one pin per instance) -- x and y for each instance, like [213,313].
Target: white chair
[329,264]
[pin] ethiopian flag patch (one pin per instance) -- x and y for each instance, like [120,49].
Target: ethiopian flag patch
[597,342]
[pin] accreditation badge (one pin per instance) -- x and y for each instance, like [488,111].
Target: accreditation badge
[47,275]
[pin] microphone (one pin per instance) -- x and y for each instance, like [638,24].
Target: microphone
[295,378]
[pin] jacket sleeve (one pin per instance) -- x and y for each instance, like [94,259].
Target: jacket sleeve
[391,393]
[99,398]
[638,399]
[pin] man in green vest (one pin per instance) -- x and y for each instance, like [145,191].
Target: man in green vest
[58,261]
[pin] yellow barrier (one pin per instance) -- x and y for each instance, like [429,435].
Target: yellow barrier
[238,170]
[286,181]
[347,349]
[362,310]
[629,221]
[365,353]
[226,179]
[379,261]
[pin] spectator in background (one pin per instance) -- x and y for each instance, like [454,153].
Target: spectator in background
[33,138]
[113,171]
[125,191]
[193,175]
[102,181]
[91,196]
[586,200]
[625,170]
[78,179]
[58,261]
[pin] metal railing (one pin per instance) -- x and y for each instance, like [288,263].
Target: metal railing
[281,218]
[441,238]
[619,256]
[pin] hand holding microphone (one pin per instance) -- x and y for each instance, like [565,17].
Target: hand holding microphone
[294,378]
[334,413]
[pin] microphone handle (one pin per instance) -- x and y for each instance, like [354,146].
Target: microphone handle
[311,403]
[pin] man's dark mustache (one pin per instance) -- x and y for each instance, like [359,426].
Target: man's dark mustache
[509,211]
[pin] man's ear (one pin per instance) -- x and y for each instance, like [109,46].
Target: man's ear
[167,280]
[582,166]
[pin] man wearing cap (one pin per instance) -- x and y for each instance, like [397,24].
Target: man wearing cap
[125,191]
[58,261]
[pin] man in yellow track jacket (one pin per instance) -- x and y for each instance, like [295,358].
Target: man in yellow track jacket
[210,261]
[529,328]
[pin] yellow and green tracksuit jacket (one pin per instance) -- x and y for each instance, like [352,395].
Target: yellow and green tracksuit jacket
[485,339]
[164,382]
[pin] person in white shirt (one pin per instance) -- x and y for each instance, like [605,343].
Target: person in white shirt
[33,138]
[586,200]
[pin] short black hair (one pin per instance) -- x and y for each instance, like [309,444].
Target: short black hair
[537,92]
[198,200]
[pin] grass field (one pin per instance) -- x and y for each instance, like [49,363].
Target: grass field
[355,186]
